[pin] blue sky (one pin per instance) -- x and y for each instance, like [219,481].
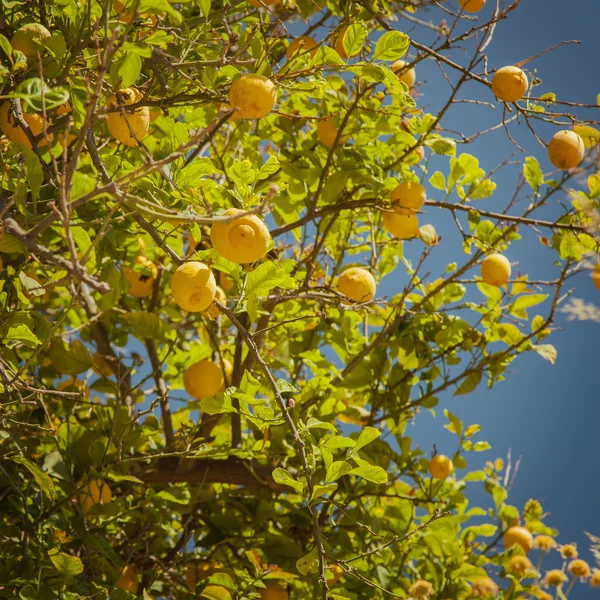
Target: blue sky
[548,415]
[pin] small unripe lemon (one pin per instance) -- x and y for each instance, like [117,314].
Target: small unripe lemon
[193,286]
[141,281]
[95,492]
[409,194]
[28,39]
[406,75]
[327,132]
[401,223]
[566,150]
[357,284]
[509,84]
[471,6]
[518,535]
[119,124]
[441,466]
[128,580]
[253,95]
[243,240]
[596,276]
[302,45]
[273,591]
[203,379]
[495,270]
[12,130]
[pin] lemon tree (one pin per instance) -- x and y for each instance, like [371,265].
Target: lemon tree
[220,310]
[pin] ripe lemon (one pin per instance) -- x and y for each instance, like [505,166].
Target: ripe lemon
[95,492]
[193,286]
[141,280]
[495,270]
[357,284]
[471,6]
[509,84]
[441,466]
[128,580]
[409,194]
[12,130]
[302,45]
[273,591]
[119,124]
[242,240]
[327,132]
[596,276]
[28,39]
[406,75]
[566,150]
[203,379]
[518,535]
[401,223]
[253,95]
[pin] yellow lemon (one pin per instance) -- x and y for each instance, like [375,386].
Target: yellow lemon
[471,6]
[596,276]
[273,591]
[141,280]
[357,284]
[509,84]
[566,150]
[401,223]
[243,240]
[119,124]
[28,39]
[95,492]
[441,466]
[406,75]
[128,580]
[495,270]
[204,379]
[520,536]
[193,286]
[409,194]
[327,132]
[253,95]
[12,130]
[301,46]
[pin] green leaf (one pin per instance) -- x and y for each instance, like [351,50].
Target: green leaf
[322,490]
[269,168]
[354,39]
[283,477]
[455,422]
[125,70]
[337,469]
[533,173]
[192,174]
[444,146]
[371,473]
[519,306]
[313,423]
[10,245]
[42,479]
[309,563]
[547,351]
[34,173]
[69,359]
[475,476]
[470,382]
[67,565]
[367,435]
[39,96]
[438,181]
[392,45]
[265,277]
[215,592]
[149,326]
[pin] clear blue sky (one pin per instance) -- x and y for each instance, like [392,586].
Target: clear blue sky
[548,415]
